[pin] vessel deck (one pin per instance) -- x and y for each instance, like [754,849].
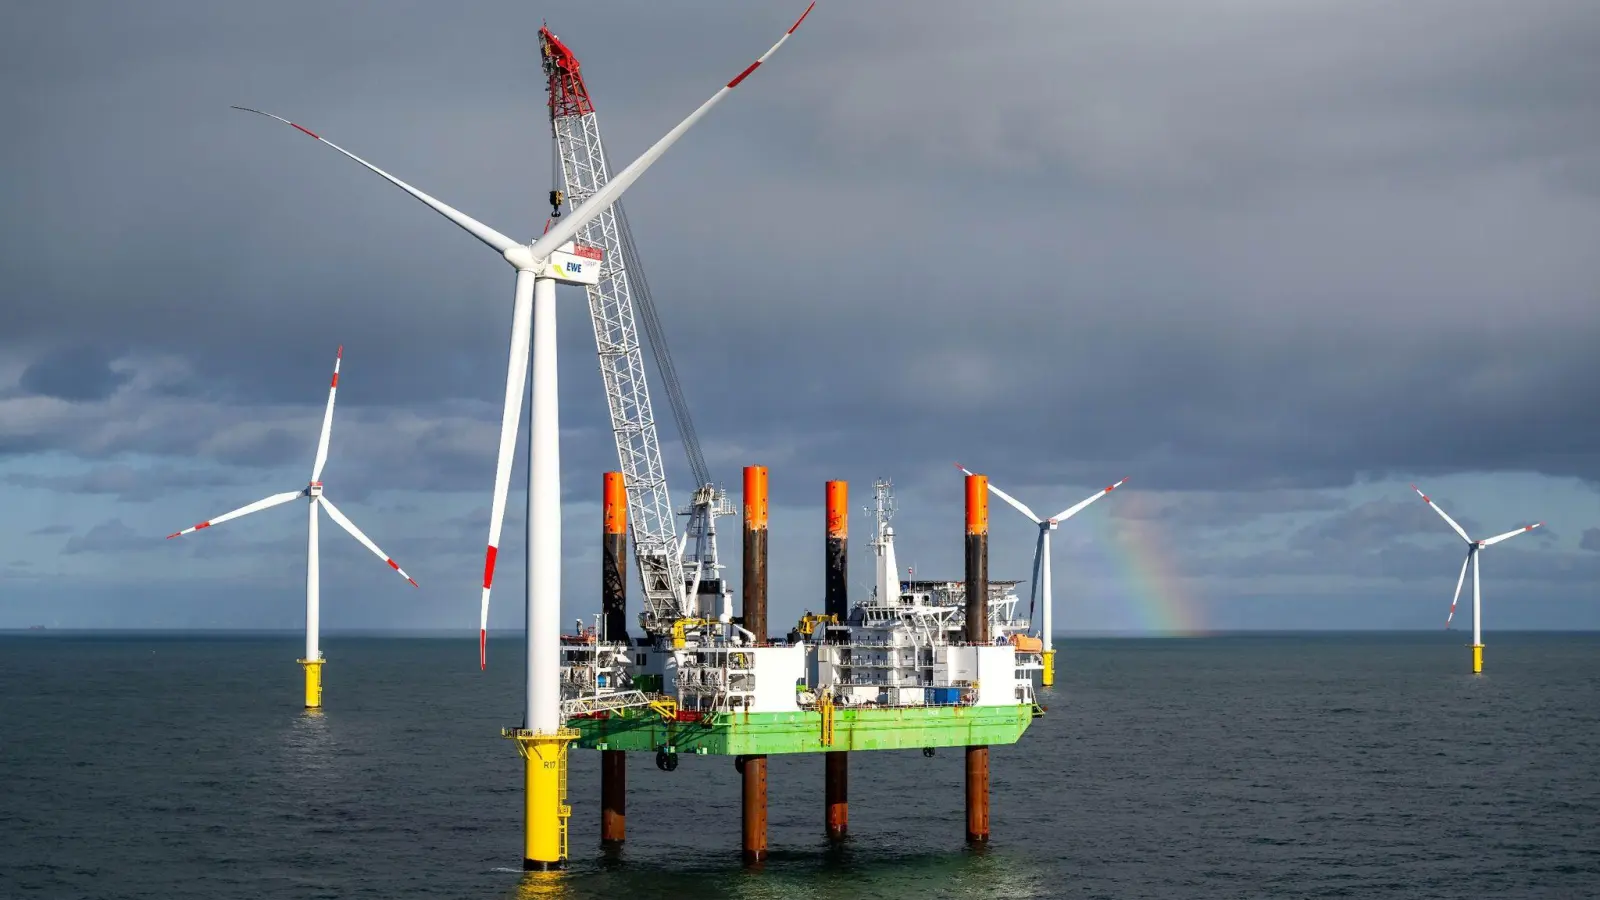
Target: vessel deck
[854,729]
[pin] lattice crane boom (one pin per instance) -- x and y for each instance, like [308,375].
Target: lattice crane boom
[616,305]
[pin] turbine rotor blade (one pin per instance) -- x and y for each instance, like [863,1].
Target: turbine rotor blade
[472,226]
[1038,562]
[568,227]
[516,384]
[1508,535]
[1018,504]
[1460,580]
[1071,511]
[1442,514]
[339,517]
[327,420]
[257,506]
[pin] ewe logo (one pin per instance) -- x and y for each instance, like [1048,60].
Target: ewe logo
[578,263]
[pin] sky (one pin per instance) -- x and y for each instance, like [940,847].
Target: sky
[1271,261]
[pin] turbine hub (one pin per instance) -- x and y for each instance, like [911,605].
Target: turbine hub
[523,260]
[314,490]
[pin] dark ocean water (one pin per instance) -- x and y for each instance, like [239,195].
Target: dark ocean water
[1251,766]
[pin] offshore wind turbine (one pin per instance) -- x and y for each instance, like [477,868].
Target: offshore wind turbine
[551,258]
[313,660]
[1041,562]
[1473,549]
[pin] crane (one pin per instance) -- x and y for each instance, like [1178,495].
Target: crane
[675,572]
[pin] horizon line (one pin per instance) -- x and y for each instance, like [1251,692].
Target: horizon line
[513,633]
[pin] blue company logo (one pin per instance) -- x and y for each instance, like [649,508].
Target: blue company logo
[575,267]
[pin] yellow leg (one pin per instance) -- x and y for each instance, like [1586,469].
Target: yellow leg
[313,669]
[545,810]
[1477,659]
[1049,674]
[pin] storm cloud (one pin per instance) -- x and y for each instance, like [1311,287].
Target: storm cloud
[1271,260]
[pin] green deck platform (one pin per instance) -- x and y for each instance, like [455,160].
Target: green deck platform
[870,728]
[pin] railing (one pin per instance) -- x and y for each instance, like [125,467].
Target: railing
[825,706]
[590,704]
[563,811]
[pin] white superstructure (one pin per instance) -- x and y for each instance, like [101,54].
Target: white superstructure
[902,646]
[905,645]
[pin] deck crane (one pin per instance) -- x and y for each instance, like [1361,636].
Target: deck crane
[680,577]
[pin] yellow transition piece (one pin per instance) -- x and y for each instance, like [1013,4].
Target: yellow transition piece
[313,669]
[545,810]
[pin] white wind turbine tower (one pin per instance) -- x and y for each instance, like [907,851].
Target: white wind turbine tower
[313,660]
[1473,548]
[554,257]
[1040,583]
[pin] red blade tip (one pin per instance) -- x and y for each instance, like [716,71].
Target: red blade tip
[802,17]
[488,566]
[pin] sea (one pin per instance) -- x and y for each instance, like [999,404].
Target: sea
[170,766]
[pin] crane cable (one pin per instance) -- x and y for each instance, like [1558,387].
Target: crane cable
[647,312]
[658,347]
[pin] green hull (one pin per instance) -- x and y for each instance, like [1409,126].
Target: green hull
[733,734]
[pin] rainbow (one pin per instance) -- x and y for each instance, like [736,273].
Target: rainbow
[1157,599]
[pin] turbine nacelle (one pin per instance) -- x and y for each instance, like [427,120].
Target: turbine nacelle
[571,263]
[314,490]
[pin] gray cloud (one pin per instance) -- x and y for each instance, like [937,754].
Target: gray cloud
[113,536]
[1249,256]
[1234,507]
[125,482]
[73,374]
[1590,540]
[1487,86]
[19,570]
[1241,338]
[1374,524]
[1407,563]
